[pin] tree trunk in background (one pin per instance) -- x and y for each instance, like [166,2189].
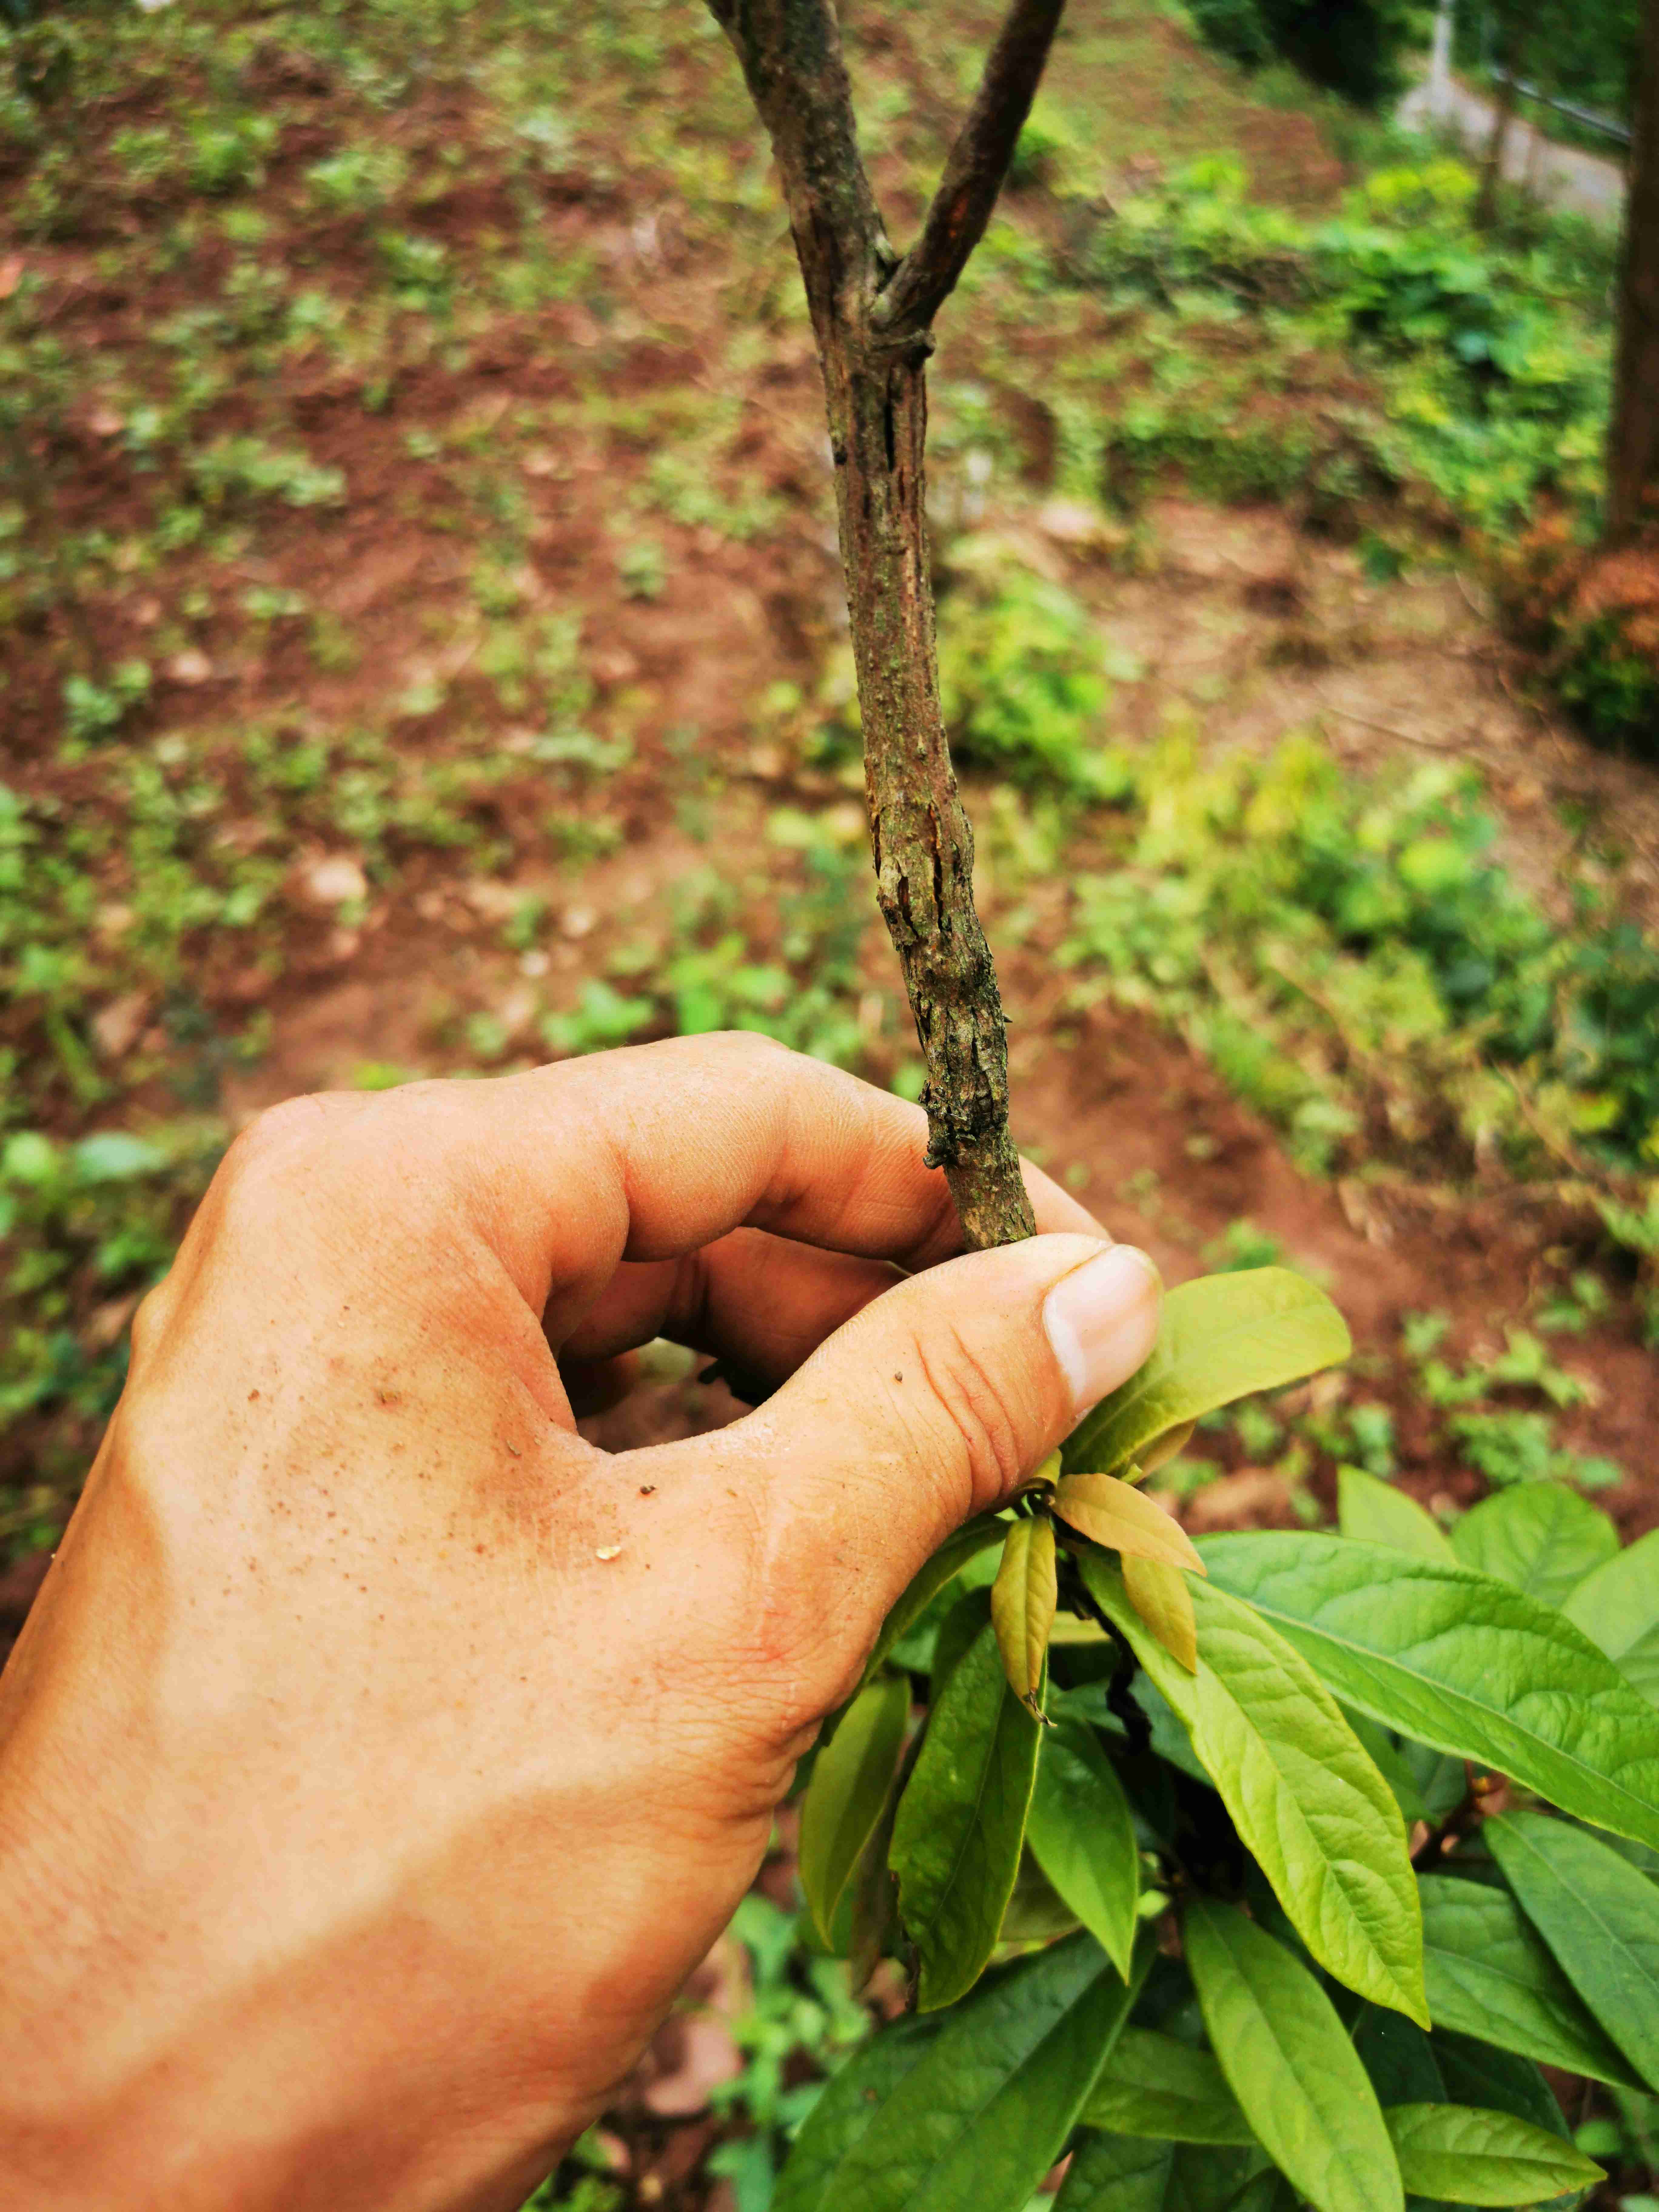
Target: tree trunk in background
[1633,441]
[1516,22]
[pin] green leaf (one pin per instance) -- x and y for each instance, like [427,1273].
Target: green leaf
[1490,1976]
[1305,1798]
[1024,1599]
[853,2104]
[1392,1765]
[869,1908]
[1069,1630]
[1153,2086]
[1083,1835]
[844,1800]
[1221,1338]
[1460,1662]
[1398,2056]
[1474,2073]
[1036,1912]
[1540,1537]
[1118,2173]
[1267,2190]
[1442,1779]
[977,2111]
[1598,1916]
[962,1623]
[1126,2173]
[1169,1738]
[957,1840]
[1474,2157]
[1618,1608]
[1289,2062]
[1372,1512]
[948,1562]
[1409,2068]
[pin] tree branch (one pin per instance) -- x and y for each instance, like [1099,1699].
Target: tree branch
[875,397]
[973,175]
[792,63]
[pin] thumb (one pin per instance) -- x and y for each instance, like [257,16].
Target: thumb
[932,1404]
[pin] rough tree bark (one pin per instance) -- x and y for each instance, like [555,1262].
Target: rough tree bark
[871,313]
[1633,443]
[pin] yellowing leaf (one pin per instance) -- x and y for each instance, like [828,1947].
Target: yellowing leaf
[1165,1447]
[1109,1512]
[1023,1601]
[1160,1595]
[1045,1477]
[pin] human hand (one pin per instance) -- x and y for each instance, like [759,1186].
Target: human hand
[380,1756]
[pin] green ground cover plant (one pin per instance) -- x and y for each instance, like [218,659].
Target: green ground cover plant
[1489,356]
[1372,922]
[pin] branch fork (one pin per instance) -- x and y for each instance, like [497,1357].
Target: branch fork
[873,312]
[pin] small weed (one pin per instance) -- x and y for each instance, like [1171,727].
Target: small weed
[359,179]
[228,157]
[1350,953]
[93,1222]
[1511,1446]
[643,568]
[1568,1311]
[1242,1244]
[271,603]
[91,711]
[603,1018]
[419,270]
[232,469]
[1024,685]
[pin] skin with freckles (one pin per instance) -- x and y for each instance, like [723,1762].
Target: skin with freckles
[381,1757]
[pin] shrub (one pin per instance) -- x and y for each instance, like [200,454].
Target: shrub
[1223,1829]
[1355,47]
[1369,925]
[1595,619]
[1493,361]
[1022,685]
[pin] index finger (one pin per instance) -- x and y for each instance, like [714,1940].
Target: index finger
[651,1151]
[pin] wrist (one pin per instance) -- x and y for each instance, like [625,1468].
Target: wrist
[263,2109]
[181,2034]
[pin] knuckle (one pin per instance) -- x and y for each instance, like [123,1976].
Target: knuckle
[149,1320]
[308,1150]
[276,1141]
[747,1048]
[974,1403]
[764,1632]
